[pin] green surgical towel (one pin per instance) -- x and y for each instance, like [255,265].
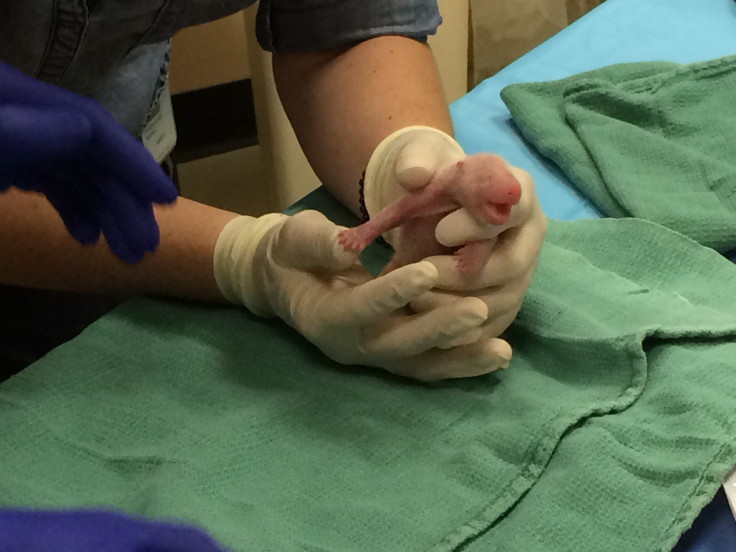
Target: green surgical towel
[609,431]
[650,140]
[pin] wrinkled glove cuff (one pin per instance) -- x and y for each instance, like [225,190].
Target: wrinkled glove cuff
[380,183]
[233,260]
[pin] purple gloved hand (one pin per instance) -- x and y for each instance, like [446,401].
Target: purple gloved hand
[93,531]
[95,174]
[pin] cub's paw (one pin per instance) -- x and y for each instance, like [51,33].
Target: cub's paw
[353,239]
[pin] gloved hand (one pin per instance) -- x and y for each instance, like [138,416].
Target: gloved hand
[407,160]
[96,175]
[294,268]
[88,530]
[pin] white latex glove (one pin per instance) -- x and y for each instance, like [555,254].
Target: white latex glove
[407,160]
[293,268]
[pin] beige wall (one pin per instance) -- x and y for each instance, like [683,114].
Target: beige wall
[209,54]
[450,48]
[504,30]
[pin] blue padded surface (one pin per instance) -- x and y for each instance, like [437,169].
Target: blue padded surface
[618,31]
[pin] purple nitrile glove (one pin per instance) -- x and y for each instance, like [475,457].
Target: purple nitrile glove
[95,174]
[95,531]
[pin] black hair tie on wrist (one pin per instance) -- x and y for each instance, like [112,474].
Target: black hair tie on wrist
[364,216]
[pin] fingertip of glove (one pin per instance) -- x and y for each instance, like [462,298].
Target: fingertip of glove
[413,177]
[342,258]
[153,240]
[474,307]
[502,364]
[126,253]
[427,270]
[422,275]
[84,230]
[500,351]
[164,190]
[468,338]
[131,257]
[120,247]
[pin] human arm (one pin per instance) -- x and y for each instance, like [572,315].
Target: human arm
[36,251]
[344,102]
[353,108]
[356,313]
[275,265]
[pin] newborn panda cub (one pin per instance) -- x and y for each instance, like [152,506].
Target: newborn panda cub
[481,183]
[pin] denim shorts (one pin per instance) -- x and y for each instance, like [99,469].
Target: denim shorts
[116,51]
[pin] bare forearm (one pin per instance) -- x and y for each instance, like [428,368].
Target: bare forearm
[342,104]
[36,251]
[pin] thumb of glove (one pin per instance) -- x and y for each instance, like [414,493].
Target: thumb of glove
[423,151]
[404,161]
[308,240]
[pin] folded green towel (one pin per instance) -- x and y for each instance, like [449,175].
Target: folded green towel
[650,140]
[609,431]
